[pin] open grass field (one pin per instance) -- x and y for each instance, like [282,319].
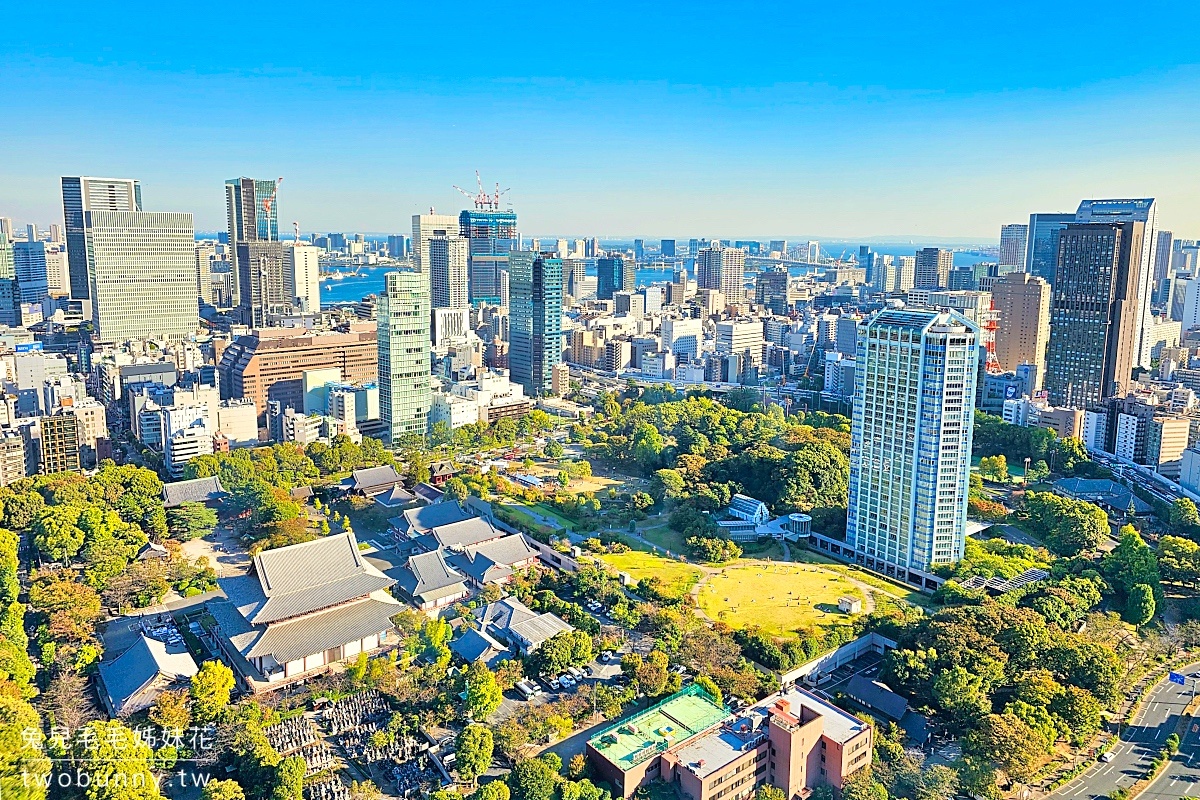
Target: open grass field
[893,588]
[678,578]
[661,534]
[779,598]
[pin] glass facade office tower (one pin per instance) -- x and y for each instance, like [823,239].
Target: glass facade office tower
[491,236]
[82,194]
[667,248]
[402,332]
[1094,313]
[29,261]
[910,441]
[1041,248]
[534,319]
[613,275]
[1014,241]
[142,266]
[1145,211]
[258,270]
[9,314]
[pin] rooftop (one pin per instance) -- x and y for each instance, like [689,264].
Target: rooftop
[199,490]
[676,720]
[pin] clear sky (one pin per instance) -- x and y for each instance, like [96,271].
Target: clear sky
[845,119]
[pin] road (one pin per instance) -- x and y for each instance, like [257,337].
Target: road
[1140,742]
[1181,778]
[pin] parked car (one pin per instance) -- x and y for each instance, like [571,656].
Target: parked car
[606,656]
[554,684]
[566,680]
[587,670]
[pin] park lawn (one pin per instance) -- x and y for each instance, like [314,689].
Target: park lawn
[664,537]
[893,588]
[678,578]
[547,511]
[779,598]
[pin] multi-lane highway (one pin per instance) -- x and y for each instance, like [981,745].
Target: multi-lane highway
[1140,742]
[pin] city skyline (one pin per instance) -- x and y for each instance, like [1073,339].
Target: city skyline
[782,132]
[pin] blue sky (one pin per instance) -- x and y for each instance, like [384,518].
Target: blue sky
[615,119]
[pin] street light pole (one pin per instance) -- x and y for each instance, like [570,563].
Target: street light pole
[1025,478]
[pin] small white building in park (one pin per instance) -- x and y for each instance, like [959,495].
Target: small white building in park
[749,509]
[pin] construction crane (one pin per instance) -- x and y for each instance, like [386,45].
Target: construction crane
[270,201]
[482,200]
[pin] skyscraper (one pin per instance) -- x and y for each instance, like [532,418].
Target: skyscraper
[29,261]
[302,276]
[1023,329]
[1041,248]
[1141,210]
[259,285]
[448,271]
[771,290]
[142,266]
[9,314]
[639,250]
[724,269]
[535,320]
[933,268]
[610,277]
[910,441]
[425,227]
[6,227]
[489,233]
[1013,244]
[397,245]
[404,363]
[82,194]
[667,248]
[1093,313]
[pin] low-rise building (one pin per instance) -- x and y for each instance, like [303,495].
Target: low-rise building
[509,620]
[794,741]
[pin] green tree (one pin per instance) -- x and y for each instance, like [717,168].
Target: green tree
[289,779]
[1132,562]
[994,468]
[1081,713]
[172,710]
[1139,606]
[483,694]
[1007,742]
[222,790]
[769,792]
[210,690]
[119,764]
[861,785]
[1179,560]
[493,790]
[190,520]
[56,533]
[554,449]
[961,696]
[711,689]
[1185,518]
[532,779]
[455,489]
[473,752]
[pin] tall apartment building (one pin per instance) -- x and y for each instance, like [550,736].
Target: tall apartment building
[792,740]
[302,277]
[723,269]
[1094,313]
[205,255]
[142,270]
[535,320]
[12,455]
[82,194]
[448,272]
[258,271]
[1014,240]
[910,441]
[397,245]
[932,268]
[1022,303]
[771,290]
[403,351]
[268,364]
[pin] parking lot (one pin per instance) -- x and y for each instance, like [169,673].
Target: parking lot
[601,673]
[867,665]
